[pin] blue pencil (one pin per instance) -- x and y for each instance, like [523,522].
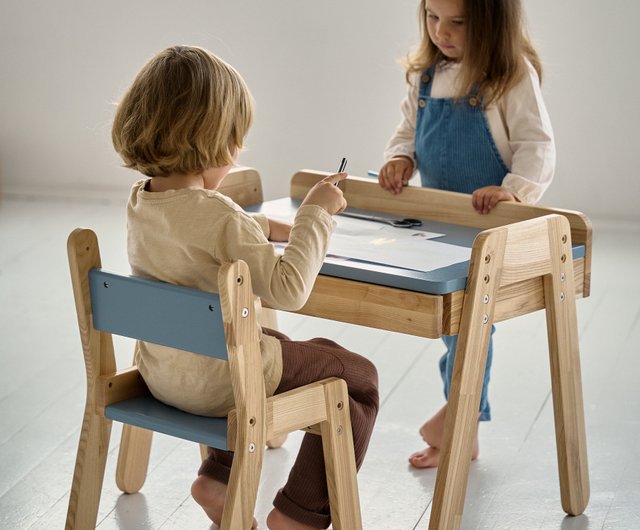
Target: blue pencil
[372,173]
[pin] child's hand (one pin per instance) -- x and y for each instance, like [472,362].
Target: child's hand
[395,174]
[327,195]
[278,230]
[484,199]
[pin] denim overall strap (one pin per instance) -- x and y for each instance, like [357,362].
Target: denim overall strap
[454,147]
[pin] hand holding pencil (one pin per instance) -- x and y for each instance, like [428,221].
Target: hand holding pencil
[327,194]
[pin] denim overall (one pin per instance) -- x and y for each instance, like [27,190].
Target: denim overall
[455,151]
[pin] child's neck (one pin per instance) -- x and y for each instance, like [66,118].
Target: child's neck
[175,181]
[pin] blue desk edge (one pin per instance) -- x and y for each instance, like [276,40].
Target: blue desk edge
[440,281]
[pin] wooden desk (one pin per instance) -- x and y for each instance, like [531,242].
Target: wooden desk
[523,259]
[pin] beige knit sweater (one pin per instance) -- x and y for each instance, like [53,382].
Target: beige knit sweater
[182,237]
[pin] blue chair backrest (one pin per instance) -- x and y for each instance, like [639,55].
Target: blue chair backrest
[158,312]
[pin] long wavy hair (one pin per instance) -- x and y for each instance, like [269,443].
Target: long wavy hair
[496,45]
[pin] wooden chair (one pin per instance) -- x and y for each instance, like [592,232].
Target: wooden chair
[222,326]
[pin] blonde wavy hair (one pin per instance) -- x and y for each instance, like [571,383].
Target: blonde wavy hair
[496,45]
[186,111]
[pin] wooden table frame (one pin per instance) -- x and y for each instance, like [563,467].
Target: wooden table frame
[521,262]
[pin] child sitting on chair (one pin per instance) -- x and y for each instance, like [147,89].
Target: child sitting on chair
[181,124]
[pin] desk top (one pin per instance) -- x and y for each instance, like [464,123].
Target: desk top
[440,281]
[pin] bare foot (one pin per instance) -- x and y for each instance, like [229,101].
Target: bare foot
[276,520]
[432,432]
[428,457]
[210,494]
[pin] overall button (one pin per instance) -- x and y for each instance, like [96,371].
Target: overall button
[425,78]
[421,103]
[473,101]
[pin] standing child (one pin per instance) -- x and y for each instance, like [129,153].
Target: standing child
[181,124]
[474,121]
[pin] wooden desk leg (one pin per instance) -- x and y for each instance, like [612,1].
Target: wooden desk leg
[536,248]
[566,380]
[466,386]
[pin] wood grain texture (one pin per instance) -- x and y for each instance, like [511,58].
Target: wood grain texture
[243,186]
[375,306]
[254,420]
[133,458]
[566,376]
[97,347]
[339,458]
[502,256]
[447,207]
[513,484]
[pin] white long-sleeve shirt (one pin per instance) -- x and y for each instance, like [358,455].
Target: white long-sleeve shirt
[182,237]
[518,121]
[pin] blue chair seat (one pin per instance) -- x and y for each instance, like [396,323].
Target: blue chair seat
[149,413]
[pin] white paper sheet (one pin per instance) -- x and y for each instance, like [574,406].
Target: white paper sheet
[415,253]
[387,245]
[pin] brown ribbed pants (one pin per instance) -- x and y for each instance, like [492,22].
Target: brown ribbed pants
[305,497]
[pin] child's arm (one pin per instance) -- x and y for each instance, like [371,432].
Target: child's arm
[399,153]
[327,195]
[321,195]
[484,199]
[530,140]
[395,174]
[279,230]
[284,280]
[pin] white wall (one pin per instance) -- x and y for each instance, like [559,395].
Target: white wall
[325,79]
[590,51]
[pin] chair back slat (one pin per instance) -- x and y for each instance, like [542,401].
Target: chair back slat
[157,312]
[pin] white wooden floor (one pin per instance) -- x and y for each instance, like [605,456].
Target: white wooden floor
[512,486]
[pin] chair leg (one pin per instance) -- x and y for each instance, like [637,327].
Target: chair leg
[269,319]
[339,458]
[242,489]
[133,458]
[88,474]
[277,441]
